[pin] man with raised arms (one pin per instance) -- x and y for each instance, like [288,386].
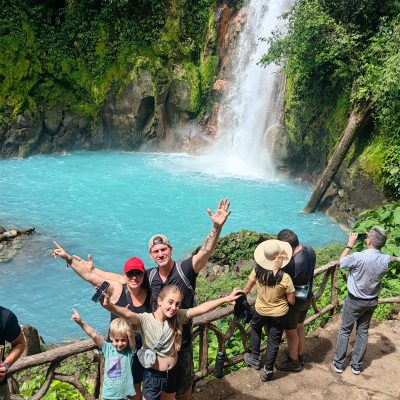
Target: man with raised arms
[168,272]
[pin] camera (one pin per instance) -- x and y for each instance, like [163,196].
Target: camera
[361,237]
[104,286]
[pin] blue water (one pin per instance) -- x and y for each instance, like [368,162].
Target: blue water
[108,204]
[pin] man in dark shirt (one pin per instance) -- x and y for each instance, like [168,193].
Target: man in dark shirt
[301,270]
[10,331]
[167,273]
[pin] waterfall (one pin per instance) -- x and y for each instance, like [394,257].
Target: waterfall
[248,110]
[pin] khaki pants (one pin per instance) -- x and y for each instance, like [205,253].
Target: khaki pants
[4,393]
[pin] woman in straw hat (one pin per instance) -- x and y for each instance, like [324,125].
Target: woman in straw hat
[274,291]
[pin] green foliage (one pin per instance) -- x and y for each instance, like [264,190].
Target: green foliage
[81,366]
[387,217]
[237,246]
[336,50]
[391,170]
[73,52]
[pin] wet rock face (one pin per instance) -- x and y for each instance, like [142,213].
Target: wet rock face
[141,112]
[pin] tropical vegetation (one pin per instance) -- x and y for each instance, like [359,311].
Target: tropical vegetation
[339,56]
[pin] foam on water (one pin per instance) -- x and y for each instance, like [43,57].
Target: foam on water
[109,204]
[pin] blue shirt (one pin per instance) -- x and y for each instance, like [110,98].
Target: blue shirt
[118,380]
[366,268]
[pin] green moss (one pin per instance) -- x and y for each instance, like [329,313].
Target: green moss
[372,159]
[208,67]
[337,120]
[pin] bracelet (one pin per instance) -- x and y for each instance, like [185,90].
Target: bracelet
[69,261]
[348,247]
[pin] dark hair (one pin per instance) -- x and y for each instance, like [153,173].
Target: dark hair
[266,277]
[286,235]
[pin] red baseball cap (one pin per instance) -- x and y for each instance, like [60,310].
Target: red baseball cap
[134,263]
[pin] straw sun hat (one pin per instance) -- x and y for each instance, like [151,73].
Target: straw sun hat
[273,251]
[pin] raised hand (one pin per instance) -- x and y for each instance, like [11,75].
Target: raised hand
[104,300]
[59,252]
[221,214]
[353,237]
[75,316]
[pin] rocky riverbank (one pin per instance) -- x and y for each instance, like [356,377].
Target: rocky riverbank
[11,241]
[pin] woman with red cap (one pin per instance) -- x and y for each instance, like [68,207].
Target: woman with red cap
[129,292]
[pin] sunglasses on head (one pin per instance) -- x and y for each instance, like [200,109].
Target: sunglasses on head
[134,274]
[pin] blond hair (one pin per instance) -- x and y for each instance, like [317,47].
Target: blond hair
[119,326]
[173,322]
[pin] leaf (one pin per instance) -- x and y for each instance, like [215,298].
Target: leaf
[396,216]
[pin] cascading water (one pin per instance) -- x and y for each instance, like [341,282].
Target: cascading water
[248,111]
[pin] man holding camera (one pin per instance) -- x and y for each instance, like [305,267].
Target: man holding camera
[10,331]
[366,270]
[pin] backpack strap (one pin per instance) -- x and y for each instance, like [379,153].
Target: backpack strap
[183,276]
[152,275]
[128,295]
[161,340]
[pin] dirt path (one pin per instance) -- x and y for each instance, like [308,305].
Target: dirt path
[380,377]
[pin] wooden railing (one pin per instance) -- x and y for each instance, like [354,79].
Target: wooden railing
[203,327]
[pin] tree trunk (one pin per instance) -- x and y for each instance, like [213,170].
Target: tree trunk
[354,125]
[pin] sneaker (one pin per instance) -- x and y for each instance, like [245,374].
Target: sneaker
[355,370]
[266,375]
[301,359]
[336,367]
[252,361]
[289,365]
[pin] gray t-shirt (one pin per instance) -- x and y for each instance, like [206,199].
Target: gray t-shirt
[366,268]
[151,329]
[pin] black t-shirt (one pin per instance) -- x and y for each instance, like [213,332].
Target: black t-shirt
[123,301]
[188,295]
[9,329]
[301,266]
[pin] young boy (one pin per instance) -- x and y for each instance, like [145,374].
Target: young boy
[118,356]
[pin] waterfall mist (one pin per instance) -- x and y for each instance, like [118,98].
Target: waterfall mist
[248,111]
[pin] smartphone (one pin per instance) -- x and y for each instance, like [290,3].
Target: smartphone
[1,353]
[104,286]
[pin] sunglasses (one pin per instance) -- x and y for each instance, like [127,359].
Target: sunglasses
[134,274]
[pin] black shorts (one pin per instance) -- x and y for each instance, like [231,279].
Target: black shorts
[137,368]
[181,377]
[154,383]
[297,313]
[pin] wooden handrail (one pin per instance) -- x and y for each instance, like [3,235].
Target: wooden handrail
[203,327]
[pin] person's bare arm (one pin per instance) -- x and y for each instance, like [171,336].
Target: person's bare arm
[91,332]
[249,285]
[110,276]
[350,243]
[210,305]
[123,312]
[17,348]
[394,259]
[218,219]
[291,298]
[86,271]
[131,338]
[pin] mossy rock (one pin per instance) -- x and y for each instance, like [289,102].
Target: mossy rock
[237,246]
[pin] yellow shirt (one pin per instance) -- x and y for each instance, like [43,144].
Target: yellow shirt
[271,300]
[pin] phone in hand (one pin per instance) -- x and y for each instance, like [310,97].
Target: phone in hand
[104,286]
